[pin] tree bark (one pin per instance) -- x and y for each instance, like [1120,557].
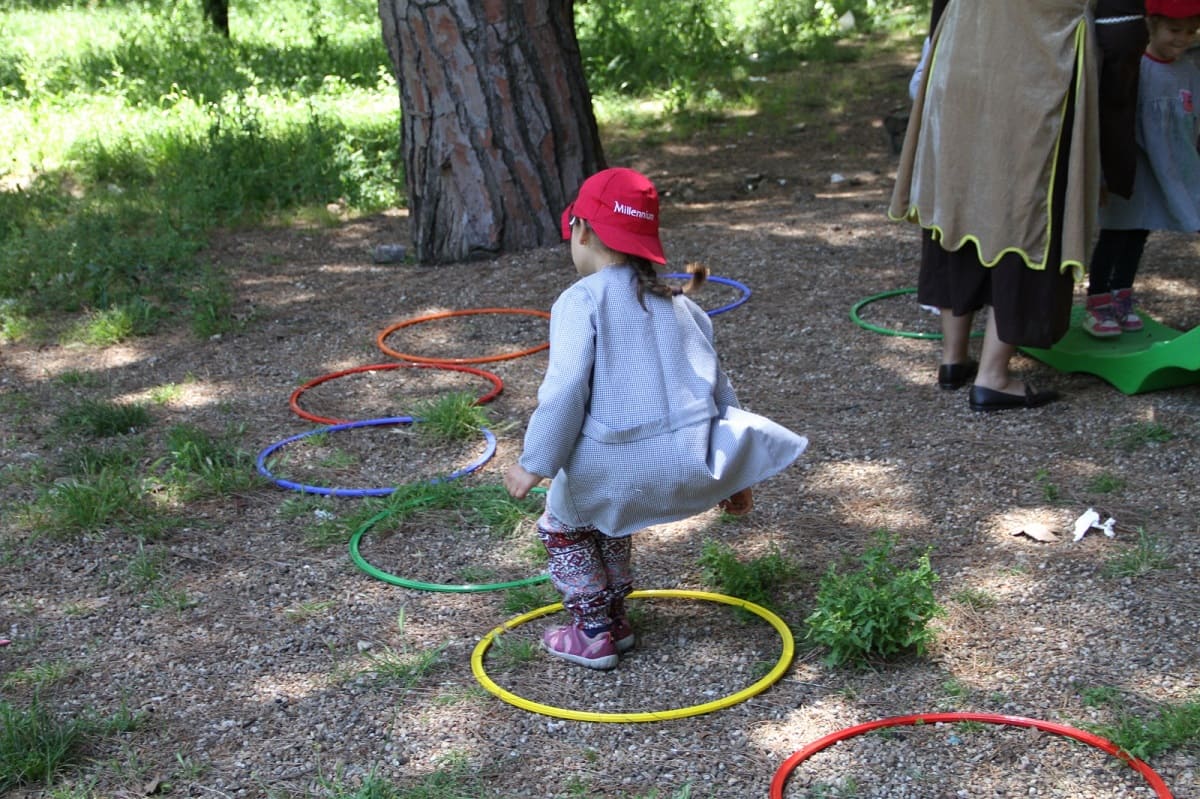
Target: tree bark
[217,13]
[497,127]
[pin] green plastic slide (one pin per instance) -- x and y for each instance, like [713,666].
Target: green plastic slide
[1153,358]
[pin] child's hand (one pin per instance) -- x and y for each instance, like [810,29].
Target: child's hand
[518,481]
[739,504]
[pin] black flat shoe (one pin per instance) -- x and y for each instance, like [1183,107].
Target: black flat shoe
[986,399]
[952,376]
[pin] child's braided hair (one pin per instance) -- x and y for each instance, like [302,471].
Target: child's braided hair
[648,279]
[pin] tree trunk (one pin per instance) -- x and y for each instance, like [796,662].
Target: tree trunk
[497,128]
[217,13]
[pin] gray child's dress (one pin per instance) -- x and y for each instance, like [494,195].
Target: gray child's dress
[636,422]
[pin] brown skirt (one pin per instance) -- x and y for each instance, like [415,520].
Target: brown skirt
[1032,307]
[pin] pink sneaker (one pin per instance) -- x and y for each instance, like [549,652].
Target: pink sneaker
[622,634]
[1099,319]
[1123,311]
[570,642]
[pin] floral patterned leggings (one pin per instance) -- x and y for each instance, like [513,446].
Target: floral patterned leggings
[590,570]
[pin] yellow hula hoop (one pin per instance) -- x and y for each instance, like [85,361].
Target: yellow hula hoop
[785,660]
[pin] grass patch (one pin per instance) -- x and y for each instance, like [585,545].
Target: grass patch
[452,417]
[1050,491]
[1172,727]
[35,745]
[529,597]
[114,324]
[40,675]
[1133,437]
[134,129]
[450,781]
[508,653]
[487,507]
[1099,696]
[88,504]
[974,598]
[1145,556]
[755,580]
[403,667]
[202,464]
[102,419]
[1106,483]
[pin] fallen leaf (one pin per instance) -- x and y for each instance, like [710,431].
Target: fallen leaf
[155,786]
[1038,532]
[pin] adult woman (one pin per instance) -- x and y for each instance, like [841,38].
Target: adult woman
[1000,166]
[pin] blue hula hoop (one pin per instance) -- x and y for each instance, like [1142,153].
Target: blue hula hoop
[261,461]
[725,281]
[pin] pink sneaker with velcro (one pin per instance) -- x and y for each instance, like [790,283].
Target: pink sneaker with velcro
[570,642]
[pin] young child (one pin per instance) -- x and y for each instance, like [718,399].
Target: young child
[636,421]
[1166,188]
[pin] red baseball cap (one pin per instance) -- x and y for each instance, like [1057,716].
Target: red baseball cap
[1176,9]
[621,205]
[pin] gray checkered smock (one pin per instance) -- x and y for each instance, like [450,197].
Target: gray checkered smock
[636,422]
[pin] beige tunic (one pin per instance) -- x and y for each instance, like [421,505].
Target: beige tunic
[983,141]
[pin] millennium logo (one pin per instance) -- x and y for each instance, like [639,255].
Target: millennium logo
[621,208]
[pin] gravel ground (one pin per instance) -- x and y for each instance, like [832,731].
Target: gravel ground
[266,681]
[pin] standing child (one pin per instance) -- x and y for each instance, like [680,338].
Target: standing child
[636,421]
[1166,187]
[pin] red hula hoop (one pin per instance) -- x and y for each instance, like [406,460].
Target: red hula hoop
[294,400]
[1151,776]
[404,356]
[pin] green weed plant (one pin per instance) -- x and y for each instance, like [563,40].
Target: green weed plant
[89,504]
[404,667]
[755,580]
[1050,491]
[1106,483]
[975,598]
[1133,437]
[508,652]
[1147,555]
[1171,727]
[877,611]
[36,744]
[450,417]
[523,599]
[203,464]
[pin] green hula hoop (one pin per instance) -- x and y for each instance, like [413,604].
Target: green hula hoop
[785,660]
[463,588]
[888,331]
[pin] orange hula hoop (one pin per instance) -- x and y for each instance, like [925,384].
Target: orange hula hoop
[380,340]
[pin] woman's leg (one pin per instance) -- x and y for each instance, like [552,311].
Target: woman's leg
[956,336]
[993,362]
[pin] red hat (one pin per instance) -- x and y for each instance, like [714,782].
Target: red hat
[1176,9]
[621,205]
